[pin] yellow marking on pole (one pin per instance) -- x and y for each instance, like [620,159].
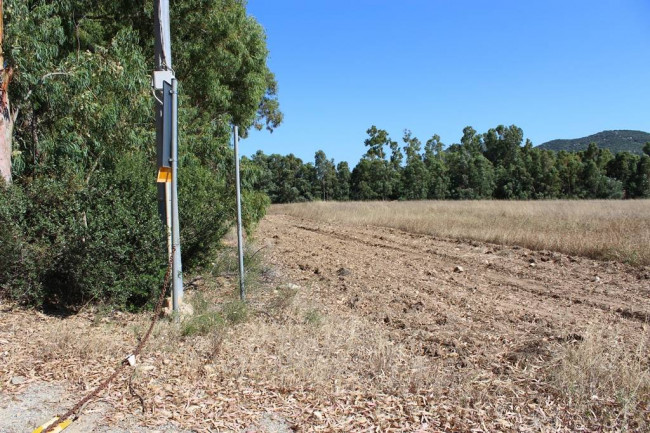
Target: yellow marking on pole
[164,175]
[62,426]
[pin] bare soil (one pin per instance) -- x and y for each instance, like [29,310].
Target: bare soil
[357,328]
[494,320]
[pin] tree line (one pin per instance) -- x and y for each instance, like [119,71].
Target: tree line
[497,164]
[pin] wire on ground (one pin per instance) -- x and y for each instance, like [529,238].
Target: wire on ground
[67,418]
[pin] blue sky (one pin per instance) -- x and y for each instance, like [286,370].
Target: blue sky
[557,69]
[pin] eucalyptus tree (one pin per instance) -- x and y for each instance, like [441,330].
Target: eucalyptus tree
[374,173]
[642,181]
[434,162]
[343,175]
[325,175]
[415,179]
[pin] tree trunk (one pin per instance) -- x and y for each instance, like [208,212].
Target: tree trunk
[6,118]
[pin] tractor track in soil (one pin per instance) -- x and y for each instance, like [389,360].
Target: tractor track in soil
[408,283]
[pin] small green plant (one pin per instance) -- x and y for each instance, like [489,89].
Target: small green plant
[102,312]
[235,312]
[199,303]
[284,298]
[225,262]
[202,324]
[313,317]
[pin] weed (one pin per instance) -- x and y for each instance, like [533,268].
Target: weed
[226,263]
[202,324]
[284,296]
[200,303]
[102,313]
[313,317]
[235,312]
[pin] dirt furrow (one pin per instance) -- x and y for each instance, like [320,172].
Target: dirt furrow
[409,283]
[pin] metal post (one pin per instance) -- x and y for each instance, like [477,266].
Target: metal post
[177,267]
[240,244]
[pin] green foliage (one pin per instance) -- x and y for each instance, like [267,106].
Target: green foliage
[325,175]
[370,180]
[642,177]
[202,324]
[376,141]
[19,267]
[220,56]
[313,317]
[76,240]
[204,320]
[437,171]
[471,174]
[624,168]
[415,176]
[342,191]
[80,222]
[285,178]
[205,211]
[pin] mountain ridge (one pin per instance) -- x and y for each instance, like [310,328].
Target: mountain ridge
[618,140]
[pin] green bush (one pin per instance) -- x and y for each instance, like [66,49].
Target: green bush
[74,240]
[202,324]
[205,212]
[235,312]
[18,259]
[99,238]
[81,223]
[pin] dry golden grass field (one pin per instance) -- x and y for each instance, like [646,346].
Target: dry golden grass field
[373,317]
[600,229]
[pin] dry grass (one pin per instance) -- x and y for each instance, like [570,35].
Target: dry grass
[599,229]
[605,378]
[331,368]
[295,351]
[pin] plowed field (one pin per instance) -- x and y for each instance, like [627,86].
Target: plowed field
[504,328]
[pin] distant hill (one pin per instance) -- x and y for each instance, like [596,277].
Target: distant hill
[621,140]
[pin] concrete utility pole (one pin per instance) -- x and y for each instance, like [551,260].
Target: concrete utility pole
[177,267]
[166,108]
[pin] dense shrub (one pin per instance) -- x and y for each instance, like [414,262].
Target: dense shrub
[205,212]
[75,240]
[100,239]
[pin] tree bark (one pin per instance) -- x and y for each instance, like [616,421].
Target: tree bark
[6,118]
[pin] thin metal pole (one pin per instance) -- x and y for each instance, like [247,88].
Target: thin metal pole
[177,267]
[240,244]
